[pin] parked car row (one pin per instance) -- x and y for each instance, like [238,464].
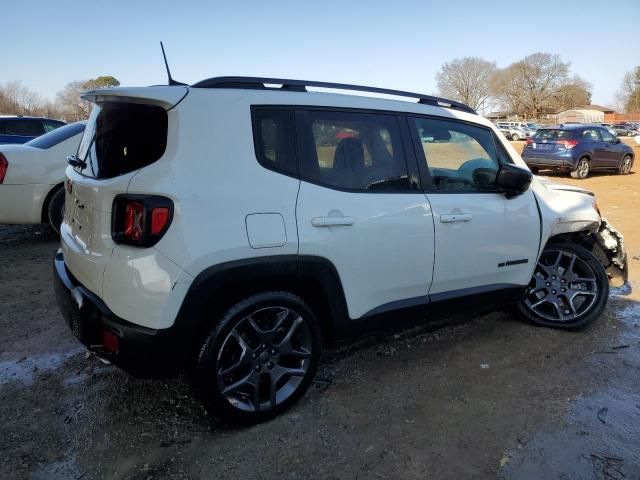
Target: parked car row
[517,130]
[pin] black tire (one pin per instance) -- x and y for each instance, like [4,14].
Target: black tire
[515,137]
[546,302]
[625,165]
[55,210]
[235,346]
[582,169]
[534,170]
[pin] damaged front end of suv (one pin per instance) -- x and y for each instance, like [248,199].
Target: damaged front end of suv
[573,215]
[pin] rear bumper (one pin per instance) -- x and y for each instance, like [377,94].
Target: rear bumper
[550,163]
[141,351]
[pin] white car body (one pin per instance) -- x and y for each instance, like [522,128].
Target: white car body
[388,249]
[33,174]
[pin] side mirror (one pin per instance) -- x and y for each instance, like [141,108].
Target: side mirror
[513,180]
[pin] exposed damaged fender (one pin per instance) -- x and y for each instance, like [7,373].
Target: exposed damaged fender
[609,248]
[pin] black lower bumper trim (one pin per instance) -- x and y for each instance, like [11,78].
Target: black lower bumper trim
[143,352]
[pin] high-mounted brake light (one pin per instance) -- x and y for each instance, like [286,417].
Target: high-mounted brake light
[140,220]
[4,165]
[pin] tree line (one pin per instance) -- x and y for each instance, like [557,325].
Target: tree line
[539,83]
[16,99]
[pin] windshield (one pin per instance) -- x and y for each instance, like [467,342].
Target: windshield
[56,136]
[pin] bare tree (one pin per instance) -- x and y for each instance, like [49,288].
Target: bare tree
[575,93]
[467,80]
[69,100]
[15,99]
[629,94]
[531,85]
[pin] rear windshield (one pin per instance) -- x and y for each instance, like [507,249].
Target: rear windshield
[56,136]
[122,137]
[552,134]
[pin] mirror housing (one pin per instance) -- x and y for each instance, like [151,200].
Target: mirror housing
[513,180]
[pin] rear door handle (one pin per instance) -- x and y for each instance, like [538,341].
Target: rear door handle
[332,221]
[456,217]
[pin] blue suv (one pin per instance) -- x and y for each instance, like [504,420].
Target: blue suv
[577,149]
[23,129]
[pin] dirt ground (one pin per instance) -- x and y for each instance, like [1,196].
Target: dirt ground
[487,397]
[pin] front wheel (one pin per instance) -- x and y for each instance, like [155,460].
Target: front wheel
[515,137]
[625,165]
[569,288]
[259,359]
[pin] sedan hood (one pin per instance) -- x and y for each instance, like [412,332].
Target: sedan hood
[564,188]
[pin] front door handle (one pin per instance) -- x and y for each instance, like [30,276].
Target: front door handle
[456,217]
[332,221]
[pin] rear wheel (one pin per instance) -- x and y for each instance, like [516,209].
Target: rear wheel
[260,358]
[625,165]
[582,169]
[515,137]
[534,170]
[569,288]
[55,210]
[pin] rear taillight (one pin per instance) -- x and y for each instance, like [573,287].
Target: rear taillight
[567,144]
[529,142]
[4,165]
[140,220]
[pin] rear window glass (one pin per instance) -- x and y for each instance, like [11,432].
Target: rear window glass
[552,134]
[122,137]
[56,136]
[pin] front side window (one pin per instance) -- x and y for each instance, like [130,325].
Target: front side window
[459,157]
[354,151]
[606,136]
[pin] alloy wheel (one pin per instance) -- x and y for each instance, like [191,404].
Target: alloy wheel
[264,358]
[625,168]
[564,287]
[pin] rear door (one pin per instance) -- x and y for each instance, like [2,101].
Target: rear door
[484,240]
[360,207]
[593,143]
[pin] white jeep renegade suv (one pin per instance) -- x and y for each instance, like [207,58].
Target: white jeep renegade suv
[232,227]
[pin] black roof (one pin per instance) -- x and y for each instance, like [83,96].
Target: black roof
[259,83]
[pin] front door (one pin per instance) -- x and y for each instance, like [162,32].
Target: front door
[360,207]
[484,240]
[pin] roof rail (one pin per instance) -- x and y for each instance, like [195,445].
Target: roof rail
[258,83]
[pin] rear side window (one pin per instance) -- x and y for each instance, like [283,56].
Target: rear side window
[27,127]
[353,151]
[274,139]
[122,137]
[56,136]
[460,157]
[552,134]
[51,125]
[590,135]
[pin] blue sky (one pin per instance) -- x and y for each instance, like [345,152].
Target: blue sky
[394,44]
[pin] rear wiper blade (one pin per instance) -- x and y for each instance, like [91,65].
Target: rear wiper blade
[76,162]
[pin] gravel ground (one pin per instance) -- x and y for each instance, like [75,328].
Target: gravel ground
[481,397]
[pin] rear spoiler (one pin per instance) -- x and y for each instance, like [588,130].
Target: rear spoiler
[164,96]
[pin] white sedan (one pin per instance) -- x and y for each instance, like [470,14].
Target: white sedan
[32,177]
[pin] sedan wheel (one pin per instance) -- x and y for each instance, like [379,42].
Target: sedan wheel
[261,358]
[569,288]
[625,165]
